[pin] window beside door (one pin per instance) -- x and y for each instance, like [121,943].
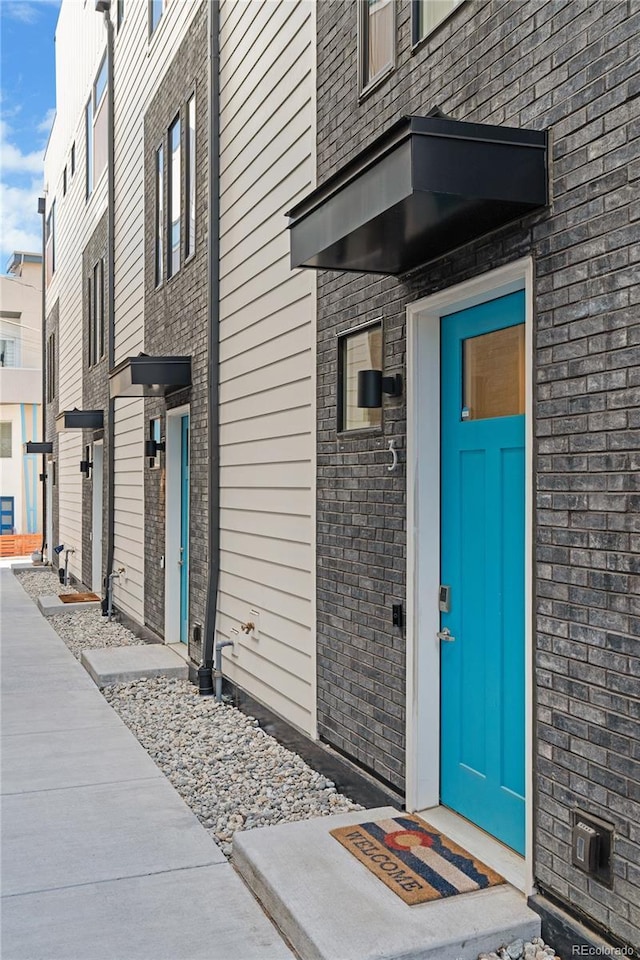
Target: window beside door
[357,350]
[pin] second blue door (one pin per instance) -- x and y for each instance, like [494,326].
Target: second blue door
[482,563]
[184,532]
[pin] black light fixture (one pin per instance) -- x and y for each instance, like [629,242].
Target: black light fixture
[371,386]
[79,420]
[86,464]
[153,447]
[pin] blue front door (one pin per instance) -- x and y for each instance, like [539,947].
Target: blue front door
[6,514]
[482,562]
[184,531]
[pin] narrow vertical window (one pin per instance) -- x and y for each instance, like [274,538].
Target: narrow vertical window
[90,315]
[89,145]
[50,250]
[155,12]
[100,307]
[174,198]
[190,174]
[51,367]
[64,182]
[428,14]
[377,40]
[73,158]
[120,14]
[159,216]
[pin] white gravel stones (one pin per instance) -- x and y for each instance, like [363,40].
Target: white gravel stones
[535,949]
[231,773]
[80,629]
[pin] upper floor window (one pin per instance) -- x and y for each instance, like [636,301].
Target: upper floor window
[159,215]
[51,367]
[5,438]
[156,9]
[190,178]
[120,14]
[50,240]
[376,41]
[174,198]
[96,313]
[96,128]
[428,14]
[73,158]
[64,182]
[8,352]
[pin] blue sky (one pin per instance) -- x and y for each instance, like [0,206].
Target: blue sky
[27,105]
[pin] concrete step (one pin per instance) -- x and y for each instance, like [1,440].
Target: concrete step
[51,605]
[109,665]
[328,905]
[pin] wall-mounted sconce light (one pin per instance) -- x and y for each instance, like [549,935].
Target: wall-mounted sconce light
[86,464]
[371,386]
[153,447]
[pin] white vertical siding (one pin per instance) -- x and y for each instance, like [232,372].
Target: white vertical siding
[267,350]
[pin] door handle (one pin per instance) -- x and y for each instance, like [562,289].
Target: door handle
[181,561]
[445,635]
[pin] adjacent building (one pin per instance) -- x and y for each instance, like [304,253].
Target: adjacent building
[391,452]
[20,400]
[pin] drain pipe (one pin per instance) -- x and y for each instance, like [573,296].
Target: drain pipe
[43,426]
[218,671]
[114,575]
[104,7]
[205,680]
[66,565]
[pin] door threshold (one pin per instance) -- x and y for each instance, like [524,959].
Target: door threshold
[182,649]
[482,845]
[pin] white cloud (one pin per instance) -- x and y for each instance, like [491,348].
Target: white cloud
[13,160]
[20,224]
[47,121]
[20,10]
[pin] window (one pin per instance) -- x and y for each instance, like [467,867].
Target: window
[50,243]
[358,350]
[96,128]
[156,9]
[5,439]
[376,41]
[159,215]
[174,199]
[64,182]
[493,365]
[8,352]
[190,178]
[96,313]
[428,14]
[120,14]
[51,367]
[73,158]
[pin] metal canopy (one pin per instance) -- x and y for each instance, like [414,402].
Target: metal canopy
[427,186]
[144,376]
[38,446]
[79,420]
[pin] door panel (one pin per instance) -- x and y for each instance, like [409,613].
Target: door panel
[482,560]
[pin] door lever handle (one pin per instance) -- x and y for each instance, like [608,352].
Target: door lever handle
[445,635]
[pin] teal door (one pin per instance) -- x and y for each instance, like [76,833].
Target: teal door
[184,531]
[482,562]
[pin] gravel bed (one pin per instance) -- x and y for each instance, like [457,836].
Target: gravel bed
[41,583]
[231,773]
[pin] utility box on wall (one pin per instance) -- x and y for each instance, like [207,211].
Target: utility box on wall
[591,846]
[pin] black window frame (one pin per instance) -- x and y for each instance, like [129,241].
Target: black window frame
[171,268]
[51,367]
[190,177]
[159,237]
[417,39]
[96,313]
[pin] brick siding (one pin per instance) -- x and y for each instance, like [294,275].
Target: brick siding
[566,66]
[176,323]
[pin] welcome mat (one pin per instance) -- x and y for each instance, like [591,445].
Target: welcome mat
[414,860]
[78,597]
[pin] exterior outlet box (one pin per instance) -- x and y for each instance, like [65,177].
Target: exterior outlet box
[591,845]
[396,615]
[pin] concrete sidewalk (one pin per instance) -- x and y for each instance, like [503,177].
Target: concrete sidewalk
[100,856]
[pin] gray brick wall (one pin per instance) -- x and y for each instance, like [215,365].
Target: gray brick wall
[95,396]
[570,67]
[176,323]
